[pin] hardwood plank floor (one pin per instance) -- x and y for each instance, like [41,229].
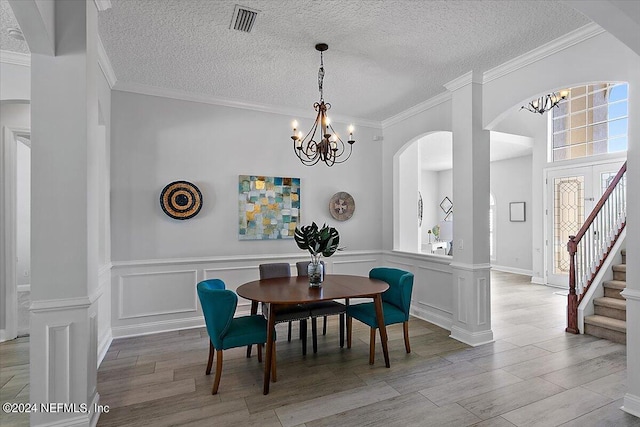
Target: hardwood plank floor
[534,374]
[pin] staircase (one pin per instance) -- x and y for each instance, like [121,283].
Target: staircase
[610,318]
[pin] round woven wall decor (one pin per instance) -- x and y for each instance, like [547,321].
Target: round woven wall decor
[181,200]
[342,206]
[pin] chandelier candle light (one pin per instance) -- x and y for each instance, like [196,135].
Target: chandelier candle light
[328,147]
[546,103]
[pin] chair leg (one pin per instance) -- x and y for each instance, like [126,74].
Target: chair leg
[405,327]
[274,377]
[249,351]
[372,346]
[314,334]
[260,353]
[341,330]
[349,327]
[289,333]
[303,336]
[210,362]
[216,382]
[324,326]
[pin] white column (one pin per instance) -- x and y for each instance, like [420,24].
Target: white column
[63,355]
[632,242]
[471,288]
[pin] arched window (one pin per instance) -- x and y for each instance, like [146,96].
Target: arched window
[592,120]
[492,227]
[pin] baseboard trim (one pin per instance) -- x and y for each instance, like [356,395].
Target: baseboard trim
[78,421]
[157,327]
[538,280]
[631,405]
[473,339]
[432,316]
[513,270]
[103,346]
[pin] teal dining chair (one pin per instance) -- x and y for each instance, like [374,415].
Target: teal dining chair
[396,302]
[225,331]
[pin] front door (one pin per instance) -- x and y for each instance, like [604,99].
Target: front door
[571,195]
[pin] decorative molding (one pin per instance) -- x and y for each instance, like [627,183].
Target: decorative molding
[105,64]
[462,300]
[155,327]
[631,404]
[470,267]
[431,258]
[103,346]
[234,258]
[473,339]
[483,291]
[513,270]
[416,109]
[58,340]
[463,80]
[103,5]
[121,284]
[234,103]
[426,267]
[355,261]
[538,280]
[42,306]
[15,58]
[574,37]
[431,316]
[406,264]
[631,294]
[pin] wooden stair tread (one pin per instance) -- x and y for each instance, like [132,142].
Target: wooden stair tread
[615,284]
[620,267]
[616,303]
[606,322]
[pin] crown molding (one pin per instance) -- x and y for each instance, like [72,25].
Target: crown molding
[105,64]
[15,58]
[570,39]
[234,103]
[417,109]
[103,5]
[463,80]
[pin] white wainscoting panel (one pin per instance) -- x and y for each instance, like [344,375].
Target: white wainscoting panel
[59,363]
[152,294]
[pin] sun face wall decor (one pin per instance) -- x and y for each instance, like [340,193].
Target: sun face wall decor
[268,207]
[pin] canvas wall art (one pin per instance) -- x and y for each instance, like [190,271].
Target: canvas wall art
[268,207]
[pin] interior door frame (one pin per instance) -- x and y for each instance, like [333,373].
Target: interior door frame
[8,225]
[548,206]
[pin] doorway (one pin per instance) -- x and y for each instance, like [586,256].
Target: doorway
[571,196]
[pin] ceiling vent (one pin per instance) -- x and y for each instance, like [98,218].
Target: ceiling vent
[243,18]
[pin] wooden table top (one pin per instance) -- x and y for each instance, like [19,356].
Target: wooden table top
[296,290]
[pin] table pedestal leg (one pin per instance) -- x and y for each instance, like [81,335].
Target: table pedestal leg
[271,325]
[382,327]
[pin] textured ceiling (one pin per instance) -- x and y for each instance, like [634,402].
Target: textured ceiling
[8,20]
[383,57]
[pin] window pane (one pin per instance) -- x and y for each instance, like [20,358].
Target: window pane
[619,109]
[600,147]
[577,91]
[559,139]
[618,127]
[578,151]
[598,98]
[618,144]
[562,110]
[618,92]
[560,124]
[600,131]
[578,136]
[579,119]
[560,154]
[578,104]
[598,114]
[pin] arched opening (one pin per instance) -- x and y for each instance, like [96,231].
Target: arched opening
[423,170]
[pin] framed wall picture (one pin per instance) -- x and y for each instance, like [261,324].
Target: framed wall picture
[517,212]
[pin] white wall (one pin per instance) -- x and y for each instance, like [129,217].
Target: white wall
[430,202]
[408,172]
[511,182]
[15,82]
[23,216]
[155,141]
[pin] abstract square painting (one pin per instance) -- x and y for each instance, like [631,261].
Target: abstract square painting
[268,207]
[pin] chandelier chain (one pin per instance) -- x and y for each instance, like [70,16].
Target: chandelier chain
[321,77]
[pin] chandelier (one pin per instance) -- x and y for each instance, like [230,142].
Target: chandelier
[327,146]
[546,103]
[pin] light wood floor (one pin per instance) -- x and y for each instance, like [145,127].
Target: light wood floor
[534,374]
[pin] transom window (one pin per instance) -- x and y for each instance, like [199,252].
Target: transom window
[592,120]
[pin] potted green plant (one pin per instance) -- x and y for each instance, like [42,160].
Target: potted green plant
[319,242]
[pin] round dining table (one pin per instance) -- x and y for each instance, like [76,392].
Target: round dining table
[282,291]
